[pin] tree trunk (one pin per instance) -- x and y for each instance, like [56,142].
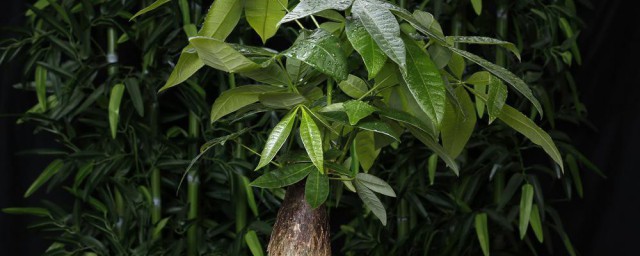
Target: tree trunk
[300,230]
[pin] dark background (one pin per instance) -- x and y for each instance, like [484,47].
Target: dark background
[605,222]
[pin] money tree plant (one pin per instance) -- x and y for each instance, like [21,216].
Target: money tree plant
[361,76]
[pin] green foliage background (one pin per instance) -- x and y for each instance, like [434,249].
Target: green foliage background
[128,198]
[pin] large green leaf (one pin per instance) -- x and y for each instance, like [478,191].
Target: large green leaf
[485,40]
[365,149]
[457,127]
[424,82]
[407,119]
[264,15]
[496,98]
[269,73]
[221,19]
[276,139]
[282,100]
[312,140]
[529,129]
[114,107]
[322,51]
[221,56]
[482,231]
[376,184]
[374,58]
[383,28]
[431,143]
[503,74]
[316,189]
[149,8]
[380,127]
[236,98]
[284,176]
[526,200]
[354,87]
[188,64]
[251,238]
[371,201]
[357,110]
[309,7]
[46,174]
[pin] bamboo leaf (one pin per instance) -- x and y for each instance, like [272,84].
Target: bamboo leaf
[46,174]
[222,56]
[221,19]
[536,223]
[424,82]
[353,87]
[284,176]
[316,189]
[149,8]
[376,184]
[251,238]
[42,212]
[236,98]
[458,126]
[383,28]
[133,89]
[374,58]
[276,139]
[357,110]
[482,231]
[477,7]
[312,140]
[322,51]
[526,201]
[114,108]
[263,16]
[529,129]
[371,201]
[575,174]
[432,166]
[309,7]
[41,86]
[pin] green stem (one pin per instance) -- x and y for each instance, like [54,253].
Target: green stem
[156,211]
[193,180]
[501,30]
[112,56]
[329,90]
[241,187]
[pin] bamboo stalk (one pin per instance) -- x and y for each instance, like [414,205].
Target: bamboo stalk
[501,59]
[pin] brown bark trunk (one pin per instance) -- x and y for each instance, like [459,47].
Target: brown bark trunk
[300,230]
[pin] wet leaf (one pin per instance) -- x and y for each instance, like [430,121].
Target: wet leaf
[221,19]
[276,139]
[236,98]
[309,7]
[263,16]
[312,140]
[383,28]
[322,51]
[316,189]
[357,110]
[374,58]
[284,176]
[354,87]
[222,56]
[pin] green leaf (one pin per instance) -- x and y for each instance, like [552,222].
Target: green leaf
[321,119]
[284,176]
[430,142]
[456,65]
[407,119]
[376,184]
[282,100]
[188,64]
[322,51]
[383,28]
[42,212]
[221,56]
[496,98]
[236,98]
[479,78]
[424,82]
[485,40]
[276,139]
[482,231]
[149,8]
[440,55]
[309,7]
[503,74]
[46,174]
[536,223]
[251,238]
[157,230]
[526,201]
[457,126]
[41,86]
[269,73]
[354,87]
[312,140]
[114,107]
[379,127]
[365,149]
[357,110]
[221,19]
[316,189]
[371,201]
[263,16]
[133,89]
[426,20]
[575,174]
[522,124]
[477,7]
[432,166]
[374,58]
